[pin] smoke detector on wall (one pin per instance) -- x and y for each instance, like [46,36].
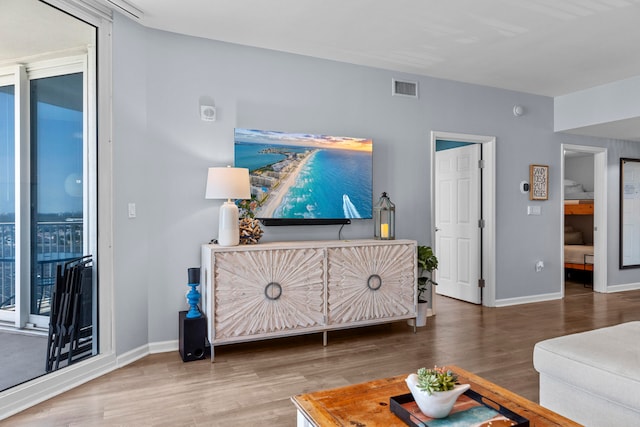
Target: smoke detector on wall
[208,113]
[518,110]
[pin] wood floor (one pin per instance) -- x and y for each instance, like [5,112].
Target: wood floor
[251,383]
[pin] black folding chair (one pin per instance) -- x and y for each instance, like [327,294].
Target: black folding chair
[70,321]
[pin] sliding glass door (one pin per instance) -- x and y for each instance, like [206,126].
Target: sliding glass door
[49,188]
[46,180]
[7,201]
[57,181]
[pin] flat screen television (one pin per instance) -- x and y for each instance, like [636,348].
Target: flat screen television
[301,179]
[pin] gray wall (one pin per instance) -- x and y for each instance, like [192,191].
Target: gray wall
[580,169]
[131,153]
[162,150]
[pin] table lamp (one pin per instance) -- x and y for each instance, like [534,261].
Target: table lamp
[228,183]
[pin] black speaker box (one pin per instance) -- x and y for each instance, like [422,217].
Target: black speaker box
[193,337]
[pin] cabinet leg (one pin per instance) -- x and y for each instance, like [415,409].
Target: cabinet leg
[324,338]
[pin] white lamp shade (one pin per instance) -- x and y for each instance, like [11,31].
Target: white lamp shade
[228,183]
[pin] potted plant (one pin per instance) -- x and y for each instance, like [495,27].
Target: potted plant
[427,262]
[435,390]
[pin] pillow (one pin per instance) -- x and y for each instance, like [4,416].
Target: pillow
[575,188]
[573,238]
[569,182]
[568,228]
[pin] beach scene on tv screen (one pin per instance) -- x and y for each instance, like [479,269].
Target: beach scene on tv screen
[305,176]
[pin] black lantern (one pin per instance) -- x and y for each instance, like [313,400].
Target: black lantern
[384,216]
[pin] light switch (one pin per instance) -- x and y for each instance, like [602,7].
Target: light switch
[132,210]
[533,210]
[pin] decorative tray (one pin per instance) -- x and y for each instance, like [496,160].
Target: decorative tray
[471,409]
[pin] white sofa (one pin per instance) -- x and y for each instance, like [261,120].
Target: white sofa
[592,377]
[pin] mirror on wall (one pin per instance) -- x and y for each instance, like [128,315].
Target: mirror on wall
[629,213]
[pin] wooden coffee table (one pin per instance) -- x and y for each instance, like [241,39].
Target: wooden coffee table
[367,404]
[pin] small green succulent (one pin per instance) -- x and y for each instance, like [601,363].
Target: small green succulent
[436,379]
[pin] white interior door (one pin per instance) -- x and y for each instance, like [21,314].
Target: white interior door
[457,216]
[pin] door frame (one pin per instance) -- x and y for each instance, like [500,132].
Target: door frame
[488,197]
[599,214]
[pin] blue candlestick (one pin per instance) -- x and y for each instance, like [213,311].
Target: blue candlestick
[193,296]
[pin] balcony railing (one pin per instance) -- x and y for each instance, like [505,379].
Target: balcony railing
[55,243]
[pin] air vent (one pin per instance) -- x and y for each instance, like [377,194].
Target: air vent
[404,88]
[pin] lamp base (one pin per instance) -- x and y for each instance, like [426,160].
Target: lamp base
[228,228]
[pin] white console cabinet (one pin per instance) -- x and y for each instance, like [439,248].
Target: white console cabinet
[253,292]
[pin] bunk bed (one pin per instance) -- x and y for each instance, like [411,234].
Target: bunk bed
[578,228]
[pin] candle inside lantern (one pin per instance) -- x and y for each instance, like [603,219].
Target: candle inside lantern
[384,231]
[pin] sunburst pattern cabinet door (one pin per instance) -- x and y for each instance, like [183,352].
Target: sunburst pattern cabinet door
[262,292]
[370,282]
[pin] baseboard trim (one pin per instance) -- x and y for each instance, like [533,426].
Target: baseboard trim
[556,295]
[133,355]
[528,299]
[163,346]
[622,288]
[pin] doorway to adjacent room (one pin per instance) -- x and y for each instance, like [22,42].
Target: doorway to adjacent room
[584,195]
[463,215]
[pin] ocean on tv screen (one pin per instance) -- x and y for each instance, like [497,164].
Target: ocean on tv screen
[302,176]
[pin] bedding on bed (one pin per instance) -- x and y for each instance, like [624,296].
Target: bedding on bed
[575,191]
[585,195]
[574,254]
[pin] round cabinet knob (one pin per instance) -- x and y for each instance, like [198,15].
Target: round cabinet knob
[273,291]
[374,282]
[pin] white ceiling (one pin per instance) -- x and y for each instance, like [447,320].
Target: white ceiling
[545,47]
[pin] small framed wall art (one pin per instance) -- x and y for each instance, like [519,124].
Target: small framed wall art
[538,182]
